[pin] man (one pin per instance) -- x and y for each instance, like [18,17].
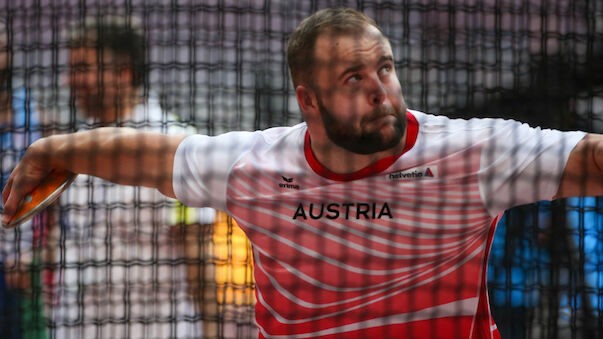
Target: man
[21,313]
[368,220]
[121,271]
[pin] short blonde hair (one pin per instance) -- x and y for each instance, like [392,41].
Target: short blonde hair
[300,48]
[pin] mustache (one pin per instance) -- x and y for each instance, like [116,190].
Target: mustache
[380,112]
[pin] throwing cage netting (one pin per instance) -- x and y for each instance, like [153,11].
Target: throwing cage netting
[108,261]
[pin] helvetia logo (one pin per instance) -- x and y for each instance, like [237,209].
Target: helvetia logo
[288,183]
[415,173]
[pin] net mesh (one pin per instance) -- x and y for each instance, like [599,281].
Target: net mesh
[113,262]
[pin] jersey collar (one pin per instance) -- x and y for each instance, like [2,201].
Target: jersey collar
[412,132]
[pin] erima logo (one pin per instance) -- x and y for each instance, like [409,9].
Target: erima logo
[415,173]
[288,183]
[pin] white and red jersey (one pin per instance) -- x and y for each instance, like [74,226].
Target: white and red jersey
[397,249]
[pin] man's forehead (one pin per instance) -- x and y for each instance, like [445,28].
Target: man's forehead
[81,53]
[341,47]
[90,54]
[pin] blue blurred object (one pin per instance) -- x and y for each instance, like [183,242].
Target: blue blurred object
[518,267]
[585,222]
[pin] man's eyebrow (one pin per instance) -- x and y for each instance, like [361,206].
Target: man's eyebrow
[357,67]
[351,69]
[386,58]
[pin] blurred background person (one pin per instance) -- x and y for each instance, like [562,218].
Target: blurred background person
[121,270]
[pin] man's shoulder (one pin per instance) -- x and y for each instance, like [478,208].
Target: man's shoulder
[242,141]
[274,140]
[275,134]
[432,123]
[151,116]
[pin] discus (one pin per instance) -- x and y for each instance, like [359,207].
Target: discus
[41,197]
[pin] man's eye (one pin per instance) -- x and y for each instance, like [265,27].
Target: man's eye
[354,78]
[386,68]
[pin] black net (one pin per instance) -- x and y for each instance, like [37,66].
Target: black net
[109,261]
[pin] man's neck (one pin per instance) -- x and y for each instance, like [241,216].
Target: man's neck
[120,110]
[342,161]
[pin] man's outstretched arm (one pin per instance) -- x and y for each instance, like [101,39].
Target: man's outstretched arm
[583,175]
[121,155]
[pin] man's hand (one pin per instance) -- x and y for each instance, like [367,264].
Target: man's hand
[583,175]
[32,169]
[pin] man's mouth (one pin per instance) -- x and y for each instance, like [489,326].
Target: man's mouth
[381,115]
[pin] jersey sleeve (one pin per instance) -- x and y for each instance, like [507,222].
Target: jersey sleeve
[520,164]
[202,165]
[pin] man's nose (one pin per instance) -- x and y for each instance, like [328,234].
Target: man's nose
[77,79]
[376,91]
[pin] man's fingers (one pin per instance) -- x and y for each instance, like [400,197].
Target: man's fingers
[12,200]
[7,189]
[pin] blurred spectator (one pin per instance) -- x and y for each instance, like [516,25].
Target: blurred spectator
[121,271]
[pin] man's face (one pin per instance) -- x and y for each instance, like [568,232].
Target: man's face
[358,92]
[95,83]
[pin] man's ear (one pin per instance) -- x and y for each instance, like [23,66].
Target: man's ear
[306,98]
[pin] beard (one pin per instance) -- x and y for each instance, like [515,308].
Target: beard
[365,140]
[93,103]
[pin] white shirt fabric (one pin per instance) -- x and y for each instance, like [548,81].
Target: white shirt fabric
[121,273]
[399,247]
